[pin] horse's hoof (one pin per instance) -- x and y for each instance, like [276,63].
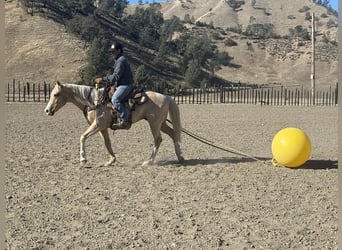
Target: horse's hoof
[147,163]
[110,163]
[83,163]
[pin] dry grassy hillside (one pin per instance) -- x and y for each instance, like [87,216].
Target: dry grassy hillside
[38,49]
[281,13]
[280,61]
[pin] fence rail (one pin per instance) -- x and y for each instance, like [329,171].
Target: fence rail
[40,92]
[263,95]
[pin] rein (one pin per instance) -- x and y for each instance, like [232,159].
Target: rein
[211,143]
[86,107]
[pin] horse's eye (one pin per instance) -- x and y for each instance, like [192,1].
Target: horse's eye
[56,95]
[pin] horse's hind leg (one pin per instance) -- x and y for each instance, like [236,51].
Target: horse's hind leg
[169,131]
[108,145]
[92,129]
[155,129]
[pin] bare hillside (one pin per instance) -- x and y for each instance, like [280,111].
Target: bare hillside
[38,49]
[280,61]
[230,13]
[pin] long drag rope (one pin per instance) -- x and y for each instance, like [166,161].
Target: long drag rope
[212,144]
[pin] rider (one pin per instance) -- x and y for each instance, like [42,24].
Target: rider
[122,80]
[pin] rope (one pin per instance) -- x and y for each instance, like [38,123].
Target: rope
[212,144]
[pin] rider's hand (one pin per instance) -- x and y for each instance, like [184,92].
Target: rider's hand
[98,80]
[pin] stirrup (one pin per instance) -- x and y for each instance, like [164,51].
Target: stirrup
[121,125]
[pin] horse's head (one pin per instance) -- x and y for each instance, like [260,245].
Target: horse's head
[57,99]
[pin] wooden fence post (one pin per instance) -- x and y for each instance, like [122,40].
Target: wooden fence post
[255,94]
[28,88]
[200,99]
[330,96]
[278,97]
[24,93]
[38,92]
[200,95]
[8,92]
[19,91]
[261,97]
[34,92]
[285,96]
[221,94]
[244,95]
[45,91]
[336,94]
[13,90]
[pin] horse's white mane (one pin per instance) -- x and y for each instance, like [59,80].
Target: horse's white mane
[83,93]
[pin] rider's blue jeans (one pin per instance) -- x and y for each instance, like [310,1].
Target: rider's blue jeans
[119,95]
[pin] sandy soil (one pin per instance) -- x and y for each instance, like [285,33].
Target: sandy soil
[216,200]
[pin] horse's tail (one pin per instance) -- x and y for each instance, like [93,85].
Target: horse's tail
[175,118]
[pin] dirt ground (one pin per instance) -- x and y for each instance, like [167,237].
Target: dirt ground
[215,200]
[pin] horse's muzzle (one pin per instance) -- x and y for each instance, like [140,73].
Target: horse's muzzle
[49,112]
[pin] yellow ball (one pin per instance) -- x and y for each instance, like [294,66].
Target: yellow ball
[291,147]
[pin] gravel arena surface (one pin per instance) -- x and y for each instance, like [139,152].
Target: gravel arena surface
[215,200]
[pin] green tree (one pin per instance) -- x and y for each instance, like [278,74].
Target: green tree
[187,18]
[201,53]
[223,58]
[141,76]
[170,26]
[218,59]
[192,73]
[162,52]
[78,6]
[98,61]
[85,27]
[113,7]
[260,30]
[198,49]
[167,30]
[300,32]
[144,25]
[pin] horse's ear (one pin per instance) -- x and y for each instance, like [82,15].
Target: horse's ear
[58,83]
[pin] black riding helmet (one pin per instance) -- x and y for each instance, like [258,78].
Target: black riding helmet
[116,46]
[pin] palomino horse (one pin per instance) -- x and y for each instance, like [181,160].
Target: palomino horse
[155,110]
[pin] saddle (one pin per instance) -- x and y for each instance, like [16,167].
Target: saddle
[136,97]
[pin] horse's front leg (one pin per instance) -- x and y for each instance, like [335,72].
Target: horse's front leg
[108,145]
[92,129]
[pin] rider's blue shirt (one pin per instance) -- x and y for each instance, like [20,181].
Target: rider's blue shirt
[122,74]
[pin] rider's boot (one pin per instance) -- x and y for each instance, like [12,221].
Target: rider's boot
[121,125]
